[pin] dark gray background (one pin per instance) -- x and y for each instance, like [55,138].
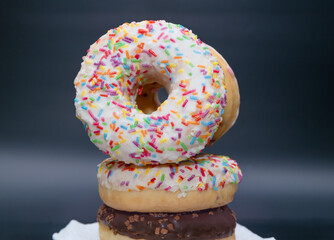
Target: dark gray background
[282,54]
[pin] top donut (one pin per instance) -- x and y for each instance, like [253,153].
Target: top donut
[115,70]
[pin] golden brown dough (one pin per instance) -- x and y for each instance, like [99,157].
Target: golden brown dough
[233,97]
[149,200]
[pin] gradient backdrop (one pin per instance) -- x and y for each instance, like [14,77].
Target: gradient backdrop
[282,54]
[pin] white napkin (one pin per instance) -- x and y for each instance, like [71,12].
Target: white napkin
[79,231]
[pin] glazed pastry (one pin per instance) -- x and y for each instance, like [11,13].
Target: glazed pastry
[156,184]
[135,60]
[218,223]
[148,100]
[231,110]
[202,182]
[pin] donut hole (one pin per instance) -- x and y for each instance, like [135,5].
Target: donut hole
[162,94]
[150,97]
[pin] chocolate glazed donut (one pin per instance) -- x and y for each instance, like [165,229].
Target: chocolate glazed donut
[218,223]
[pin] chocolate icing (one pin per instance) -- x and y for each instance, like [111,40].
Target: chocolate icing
[200,225]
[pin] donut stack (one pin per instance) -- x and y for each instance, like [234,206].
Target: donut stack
[156,183]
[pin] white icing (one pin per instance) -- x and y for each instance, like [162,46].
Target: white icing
[105,102]
[198,173]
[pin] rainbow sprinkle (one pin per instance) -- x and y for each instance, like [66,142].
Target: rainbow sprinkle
[198,173]
[112,75]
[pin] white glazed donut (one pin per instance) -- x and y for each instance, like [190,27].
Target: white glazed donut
[114,72]
[149,101]
[202,182]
